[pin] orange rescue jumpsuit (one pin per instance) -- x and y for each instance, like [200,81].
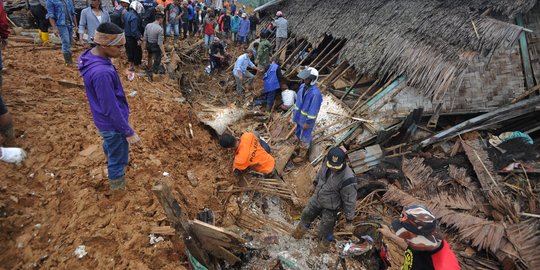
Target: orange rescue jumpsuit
[250,154]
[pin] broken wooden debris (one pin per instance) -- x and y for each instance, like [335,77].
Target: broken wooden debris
[180,223]
[484,120]
[257,224]
[363,160]
[217,240]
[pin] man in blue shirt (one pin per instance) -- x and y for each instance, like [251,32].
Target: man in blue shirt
[306,109]
[61,15]
[241,74]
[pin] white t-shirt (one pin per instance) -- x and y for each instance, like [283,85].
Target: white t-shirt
[288,96]
[99,18]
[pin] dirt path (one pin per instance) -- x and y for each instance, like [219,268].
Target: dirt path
[58,199]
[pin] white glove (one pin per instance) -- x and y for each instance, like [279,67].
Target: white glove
[12,155]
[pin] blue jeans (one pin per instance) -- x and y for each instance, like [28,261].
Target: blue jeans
[208,39]
[175,27]
[242,39]
[66,33]
[270,97]
[116,149]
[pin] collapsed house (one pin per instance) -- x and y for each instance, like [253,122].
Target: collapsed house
[393,71]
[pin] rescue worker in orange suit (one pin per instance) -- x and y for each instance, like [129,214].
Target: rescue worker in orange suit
[425,246]
[251,154]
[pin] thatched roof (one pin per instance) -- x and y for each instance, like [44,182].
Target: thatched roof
[430,41]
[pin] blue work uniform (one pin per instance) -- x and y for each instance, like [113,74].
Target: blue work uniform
[271,80]
[306,109]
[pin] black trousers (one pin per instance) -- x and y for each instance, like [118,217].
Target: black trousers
[134,51]
[39,13]
[154,50]
[185,28]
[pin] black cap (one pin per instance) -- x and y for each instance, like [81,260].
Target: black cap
[335,159]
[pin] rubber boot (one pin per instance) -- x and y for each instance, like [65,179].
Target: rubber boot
[302,155]
[322,247]
[68,59]
[7,132]
[299,232]
[118,184]
[44,38]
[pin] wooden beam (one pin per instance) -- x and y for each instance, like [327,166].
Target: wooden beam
[302,46]
[331,53]
[382,93]
[526,93]
[179,222]
[364,94]
[352,86]
[526,59]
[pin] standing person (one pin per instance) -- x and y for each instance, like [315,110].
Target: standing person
[336,190]
[6,120]
[253,22]
[265,51]
[271,84]
[281,26]
[209,30]
[107,100]
[91,18]
[117,16]
[61,15]
[197,22]
[173,13]
[191,18]
[425,246]
[184,19]
[38,10]
[225,24]
[153,42]
[241,74]
[233,8]
[150,9]
[235,25]
[79,5]
[243,29]
[306,109]
[132,28]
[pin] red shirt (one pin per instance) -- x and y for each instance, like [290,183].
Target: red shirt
[4,26]
[442,258]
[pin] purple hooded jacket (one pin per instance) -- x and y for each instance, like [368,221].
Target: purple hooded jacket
[105,94]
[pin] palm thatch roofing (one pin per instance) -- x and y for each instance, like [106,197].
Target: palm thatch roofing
[430,41]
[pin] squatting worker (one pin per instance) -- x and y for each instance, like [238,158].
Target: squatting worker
[107,100]
[307,106]
[336,189]
[418,233]
[251,153]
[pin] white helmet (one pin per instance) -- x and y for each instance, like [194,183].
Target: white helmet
[309,73]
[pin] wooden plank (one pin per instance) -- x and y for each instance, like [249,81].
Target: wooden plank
[217,232]
[230,246]
[283,156]
[163,230]
[526,59]
[386,90]
[179,222]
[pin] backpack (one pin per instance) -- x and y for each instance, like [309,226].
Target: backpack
[117,17]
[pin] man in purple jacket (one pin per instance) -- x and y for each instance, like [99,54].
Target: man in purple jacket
[107,99]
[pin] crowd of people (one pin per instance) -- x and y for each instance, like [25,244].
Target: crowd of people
[136,26]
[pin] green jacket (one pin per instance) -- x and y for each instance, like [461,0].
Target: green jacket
[265,50]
